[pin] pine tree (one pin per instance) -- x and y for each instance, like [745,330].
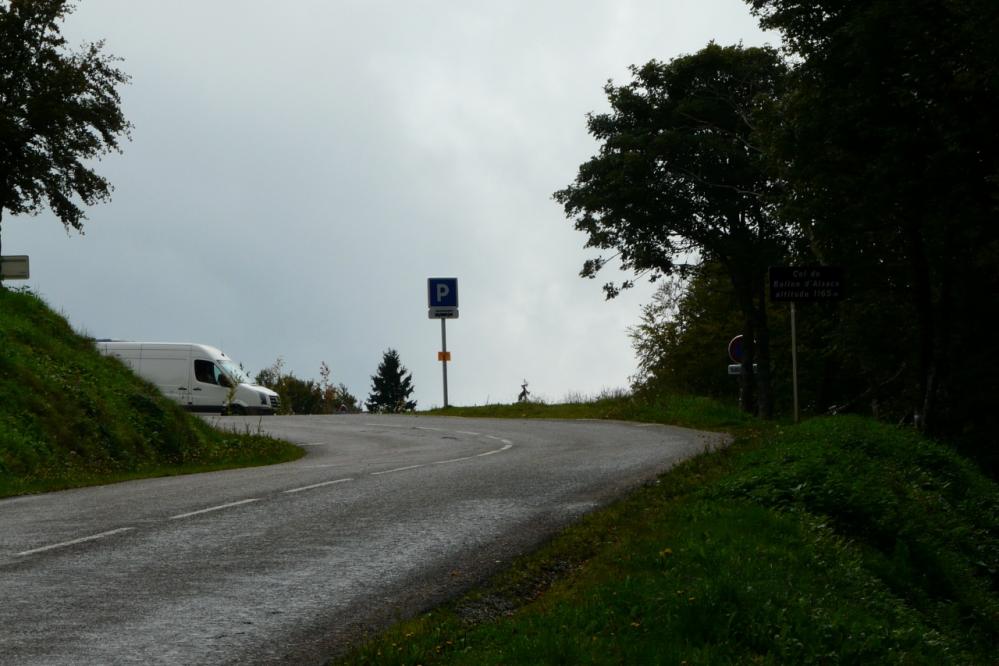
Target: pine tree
[391,386]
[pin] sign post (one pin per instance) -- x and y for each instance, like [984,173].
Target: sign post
[442,303]
[806,284]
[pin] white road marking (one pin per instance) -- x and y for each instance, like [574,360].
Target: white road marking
[387,425]
[397,469]
[214,508]
[317,485]
[508,445]
[315,444]
[75,541]
[444,462]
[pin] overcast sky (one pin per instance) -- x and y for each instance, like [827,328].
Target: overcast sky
[299,169]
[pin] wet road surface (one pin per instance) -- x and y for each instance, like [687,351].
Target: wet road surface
[385,516]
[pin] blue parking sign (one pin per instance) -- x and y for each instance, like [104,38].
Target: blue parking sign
[442,292]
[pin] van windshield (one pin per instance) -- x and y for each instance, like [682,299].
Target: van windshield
[235,371]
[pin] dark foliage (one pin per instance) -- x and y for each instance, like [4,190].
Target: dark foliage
[887,141]
[59,110]
[391,386]
[306,396]
[679,176]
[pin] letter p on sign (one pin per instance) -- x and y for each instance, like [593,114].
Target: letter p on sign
[442,292]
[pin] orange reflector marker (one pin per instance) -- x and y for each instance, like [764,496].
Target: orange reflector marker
[443,356]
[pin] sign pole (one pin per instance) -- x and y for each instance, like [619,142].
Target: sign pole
[442,303]
[805,284]
[444,356]
[794,361]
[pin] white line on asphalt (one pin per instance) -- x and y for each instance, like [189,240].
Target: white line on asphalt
[489,453]
[387,425]
[214,508]
[314,444]
[397,469]
[444,462]
[465,432]
[317,485]
[75,541]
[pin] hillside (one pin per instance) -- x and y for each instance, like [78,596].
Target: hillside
[840,540]
[70,417]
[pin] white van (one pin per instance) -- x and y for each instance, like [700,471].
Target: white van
[198,377]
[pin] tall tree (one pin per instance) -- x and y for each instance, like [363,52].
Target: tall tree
[677,342]
[59,109]
[391,386]
[679,175]
[888,143]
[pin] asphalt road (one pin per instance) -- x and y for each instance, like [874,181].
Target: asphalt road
[384,517]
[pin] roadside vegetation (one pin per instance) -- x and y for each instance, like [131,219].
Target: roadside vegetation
[682,410]
[838,540]
[862,144]
[71,417]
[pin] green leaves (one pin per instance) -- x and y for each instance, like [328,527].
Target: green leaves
[58,111]
[680,175]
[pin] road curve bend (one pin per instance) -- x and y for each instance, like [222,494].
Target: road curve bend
[384,516]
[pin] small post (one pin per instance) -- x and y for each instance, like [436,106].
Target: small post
[444,356]
[794,362]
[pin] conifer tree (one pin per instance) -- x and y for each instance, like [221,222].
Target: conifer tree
[391,386]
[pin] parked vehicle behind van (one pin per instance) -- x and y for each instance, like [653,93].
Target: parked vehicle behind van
[198,377]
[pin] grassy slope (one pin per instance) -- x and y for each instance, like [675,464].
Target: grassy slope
[688,411]
[839,540]
[70,417]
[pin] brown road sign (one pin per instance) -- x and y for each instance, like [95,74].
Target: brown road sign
[14,267]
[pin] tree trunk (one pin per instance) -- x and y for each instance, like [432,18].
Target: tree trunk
[1,243]
[765,398]
[923,303]
[937,371]
[747,377]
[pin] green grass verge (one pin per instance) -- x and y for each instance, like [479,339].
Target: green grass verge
[71,417]
[839,540]
[682,410]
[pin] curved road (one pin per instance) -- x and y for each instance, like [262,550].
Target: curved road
[383,517]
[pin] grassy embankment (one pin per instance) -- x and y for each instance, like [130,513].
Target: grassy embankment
[838,540]
[70,417]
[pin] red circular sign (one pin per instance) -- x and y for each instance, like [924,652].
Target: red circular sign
[735,350]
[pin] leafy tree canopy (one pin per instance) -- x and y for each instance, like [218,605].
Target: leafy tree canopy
[678,171]
[391,386]
[59,109]
[679,178]
[301,396]
[887,143]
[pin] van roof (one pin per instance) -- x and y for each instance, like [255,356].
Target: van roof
[129,344]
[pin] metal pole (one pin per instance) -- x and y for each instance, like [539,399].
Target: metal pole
[444,356]
[794,361]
